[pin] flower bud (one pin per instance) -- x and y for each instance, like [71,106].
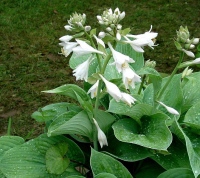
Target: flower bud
[150,64]
[119,26]
[186,72]
[183,34]
[195,41]
[102,35]
[108,29]
[87,28]
[122,15]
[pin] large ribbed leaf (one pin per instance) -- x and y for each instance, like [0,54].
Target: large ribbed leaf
[135,111]
[8,142]
[79,124]
[153,132]
[27,160]
[52,111]
[101,163]
[177,173]
[192,117]
[193,150]
[191,91]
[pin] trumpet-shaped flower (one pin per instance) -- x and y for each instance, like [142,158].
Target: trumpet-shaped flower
[169,109]
[189,53]
[101,135]
[93,89]
[112,89]
[81,71]
[67,47]
[119,58]
[186,72]
[196,61]
[128,99]
[129,77]
[84,48]
[141,40]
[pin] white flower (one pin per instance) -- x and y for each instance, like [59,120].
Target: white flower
[142,40]
[112,89]
[101,135]
[189,53]
[170,109]
[84,48]
[118,36]
[119,58]
[129,77]
[81,71]
[67,47]
[128,99]
[196,61]
[186,72]
[66,38]
[100,41]
[93,89]
[87,28]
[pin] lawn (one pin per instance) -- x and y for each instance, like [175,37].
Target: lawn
[29,52]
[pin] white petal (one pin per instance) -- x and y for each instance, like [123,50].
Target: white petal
[196,61]
[112,89]
[101,135]
[127,99]
[99,41]
[189,53]
[65,38]
[93,89]
[169,109]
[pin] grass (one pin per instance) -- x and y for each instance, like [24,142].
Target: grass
[29,59]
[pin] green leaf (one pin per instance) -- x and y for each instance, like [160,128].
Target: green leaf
[28,159]
[105,175]
[75,92]
[153,133]
[172,96]
[56,161]
[8,142]
[194,156]
[135,111]
[148,97]
[79,124]
[101,163]
[177,158]
[177,173]
[192,117]
[136,56]
[148,169]
[191,92]
[104,119]
[125,151]
[52,111]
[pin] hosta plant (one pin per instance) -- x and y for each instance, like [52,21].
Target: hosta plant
[126,121]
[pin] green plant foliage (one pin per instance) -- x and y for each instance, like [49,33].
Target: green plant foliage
[103,175]
[56,161]
[104,163]
[178,173]
[153,132]
[52,111]
[79,124]
[28,159]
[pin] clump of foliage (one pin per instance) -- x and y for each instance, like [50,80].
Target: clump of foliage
[126,121]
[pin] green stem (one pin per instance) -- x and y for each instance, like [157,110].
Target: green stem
[142,84]
[9,126]
[171,76]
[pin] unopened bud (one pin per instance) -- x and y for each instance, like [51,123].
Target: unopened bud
[102,35]
[151,64]
[108,29]
[122,15]
[119,26]
[87,28]
[186,72]
[195,41]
